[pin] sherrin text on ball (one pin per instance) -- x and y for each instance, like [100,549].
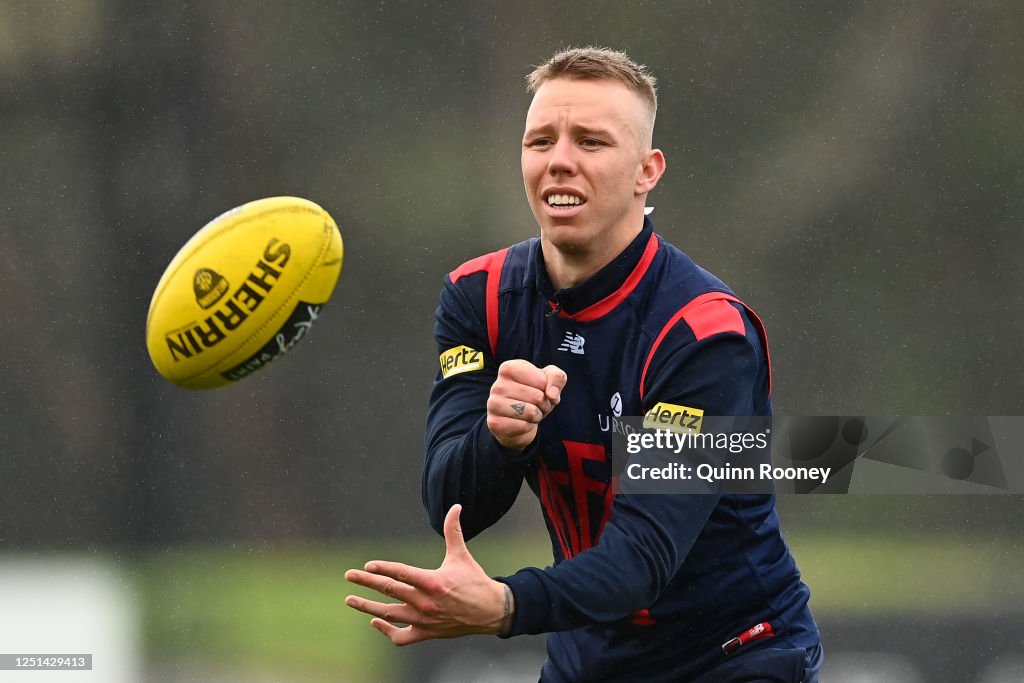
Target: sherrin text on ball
[243,291]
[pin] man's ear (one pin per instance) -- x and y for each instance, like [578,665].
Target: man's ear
[650,172]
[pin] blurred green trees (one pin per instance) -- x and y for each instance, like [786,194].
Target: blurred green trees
[853,170]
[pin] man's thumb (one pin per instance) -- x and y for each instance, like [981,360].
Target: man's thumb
[556,381]
[454,542]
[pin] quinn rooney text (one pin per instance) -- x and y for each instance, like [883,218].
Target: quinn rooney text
[709,473]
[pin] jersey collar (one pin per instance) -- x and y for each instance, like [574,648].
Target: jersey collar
[599,294]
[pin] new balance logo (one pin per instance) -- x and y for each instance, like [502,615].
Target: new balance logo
[573,343]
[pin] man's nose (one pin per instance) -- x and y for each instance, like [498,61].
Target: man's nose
[562,158]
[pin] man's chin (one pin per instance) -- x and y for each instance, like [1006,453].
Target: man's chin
[567,238]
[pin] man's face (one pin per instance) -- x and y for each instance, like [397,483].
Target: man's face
[584,150]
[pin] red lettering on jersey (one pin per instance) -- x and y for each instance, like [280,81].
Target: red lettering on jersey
[574,532]
[556,510]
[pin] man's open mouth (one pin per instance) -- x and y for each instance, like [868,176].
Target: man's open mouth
[565,200]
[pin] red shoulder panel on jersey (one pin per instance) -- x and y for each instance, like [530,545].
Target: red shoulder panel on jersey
[707,315]
[476,265]
[491,264]
[711,317]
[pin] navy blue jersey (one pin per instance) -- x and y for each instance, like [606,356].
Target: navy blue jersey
[643,587]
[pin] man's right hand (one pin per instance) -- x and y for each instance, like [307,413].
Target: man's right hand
[521,397]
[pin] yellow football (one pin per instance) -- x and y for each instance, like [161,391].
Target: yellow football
[243,291]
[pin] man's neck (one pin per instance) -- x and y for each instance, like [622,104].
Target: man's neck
[568,268]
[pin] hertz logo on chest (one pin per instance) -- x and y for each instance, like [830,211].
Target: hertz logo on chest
[674,418]
[460,359]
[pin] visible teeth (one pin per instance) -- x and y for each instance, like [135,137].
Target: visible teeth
[563,200]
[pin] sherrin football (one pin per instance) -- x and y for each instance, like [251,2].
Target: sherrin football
[243,291]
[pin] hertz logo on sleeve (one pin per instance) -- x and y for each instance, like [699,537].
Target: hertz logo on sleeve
[674,418]
[460,359]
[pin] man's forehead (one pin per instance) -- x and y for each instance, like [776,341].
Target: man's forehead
[595,102]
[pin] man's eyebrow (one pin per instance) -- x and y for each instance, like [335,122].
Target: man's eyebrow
[539,130]
[576,128]
[592,130]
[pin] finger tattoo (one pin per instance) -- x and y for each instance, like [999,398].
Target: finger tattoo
[520,408]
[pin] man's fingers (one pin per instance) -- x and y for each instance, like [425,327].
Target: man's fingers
[391,611]
[382,584]
[516,409]
[555,378]
[513,391]
[402,635]
[454,541]
[523,372]
[514,434]
[389,630]
[413,576]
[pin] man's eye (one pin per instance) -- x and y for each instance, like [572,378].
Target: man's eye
[590,142]
[543,142]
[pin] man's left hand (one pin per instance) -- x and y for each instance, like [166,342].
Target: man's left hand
[456,599]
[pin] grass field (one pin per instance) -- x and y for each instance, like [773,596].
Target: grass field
[281,608]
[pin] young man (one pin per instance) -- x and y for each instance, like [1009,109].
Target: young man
[542,345]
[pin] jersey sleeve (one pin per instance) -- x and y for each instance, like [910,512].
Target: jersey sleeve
[648,536]
[464,463]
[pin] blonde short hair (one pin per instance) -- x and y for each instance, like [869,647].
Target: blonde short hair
[598,63]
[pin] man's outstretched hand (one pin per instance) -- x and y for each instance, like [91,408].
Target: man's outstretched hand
[456,599]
